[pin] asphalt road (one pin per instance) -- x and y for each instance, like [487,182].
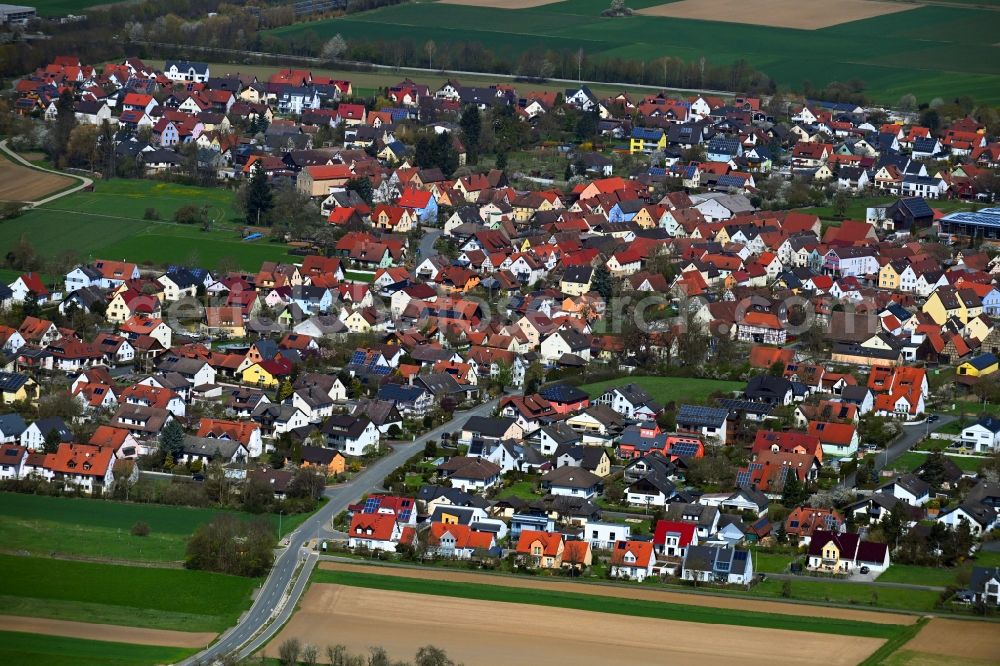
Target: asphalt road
[275,601]
[427,243]
[912,434]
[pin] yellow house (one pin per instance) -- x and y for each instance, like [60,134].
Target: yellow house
[258,375]
[18,388]
[359,321]
[889,276]
[576,280]
[977,327]
[984,364]
[944,304]
[647,140]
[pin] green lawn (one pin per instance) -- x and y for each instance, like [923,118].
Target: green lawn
[906,573]
[108,223]
[911,460]
[115,594]
[619,605]
[771,562]
[857,208]
[668,389]
[41,525]
[22,648]
[895,54]
[523,489]
[850,594]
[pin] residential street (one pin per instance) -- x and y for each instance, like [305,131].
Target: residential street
[911,436]
[274,600]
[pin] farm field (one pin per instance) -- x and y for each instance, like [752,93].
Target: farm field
[655,602]
[100,529]
[800,14]
[108,223]
[522,631]
[19,183]
[25,648]
[894,54]
[667,389]
[132,596]
[970,642]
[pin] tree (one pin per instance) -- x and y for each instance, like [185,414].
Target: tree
[140,529]
[334,47]
[125,478]
[501,161]
[533,378]
[63,128]
[288,652]
[306,484]
[794,493]
[431,449]
[259,198]
[586,126]
[471,124]
[430,48]
[932,471]
[285,390]
[840,204]
[81,149]
[363,186]
[906,103]
[257,495]
[430,655]
[191,214]
[293,209]
[233,546]
[892,526]
[309,654]
[601,282]
[52,441]
[172,440]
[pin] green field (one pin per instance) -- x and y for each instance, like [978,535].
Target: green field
[22,648]
[114,594]
[850,594]
[668,389]
[909,52]
[108,224]
[41,525]
[620,606]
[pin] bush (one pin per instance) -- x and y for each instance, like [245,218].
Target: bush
[151,214]
[140,529]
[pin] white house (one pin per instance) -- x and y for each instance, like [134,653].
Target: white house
[983,436]
[632,560]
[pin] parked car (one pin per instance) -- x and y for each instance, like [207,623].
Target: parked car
[933,418]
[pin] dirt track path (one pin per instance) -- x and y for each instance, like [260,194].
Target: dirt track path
[643,593]
[486,633]
[106,632]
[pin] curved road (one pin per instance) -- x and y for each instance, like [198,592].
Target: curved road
[277,598]
[84,181]
[910,437]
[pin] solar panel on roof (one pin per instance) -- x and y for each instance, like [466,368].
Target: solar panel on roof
[358,358]
[684,449]
[371,505]
[743,478]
